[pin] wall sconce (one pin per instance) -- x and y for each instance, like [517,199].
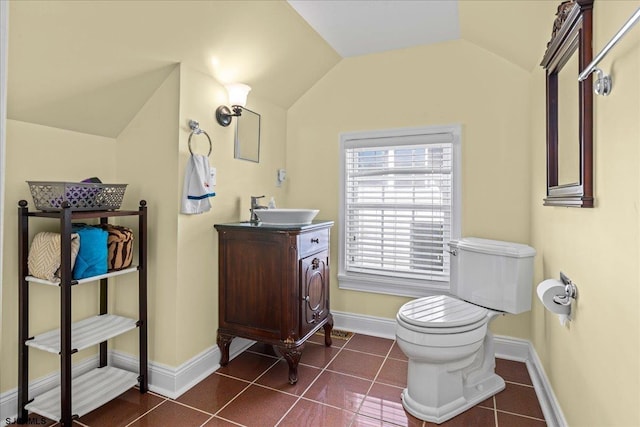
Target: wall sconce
[237,98]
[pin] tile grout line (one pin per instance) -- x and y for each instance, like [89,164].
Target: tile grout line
[192,407]
[373,382]
[314,381]
[321,403]
[206,421]
[222,418]
[373,354]
[520,384]
[247,387]
[254,382]
[234,398]
[229,421]
[163,400]
[146,413]
[232,377]
[310,384]
[520,415]
[355,376]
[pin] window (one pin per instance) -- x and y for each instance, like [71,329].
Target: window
[400,204]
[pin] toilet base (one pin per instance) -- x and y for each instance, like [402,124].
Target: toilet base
[472,395]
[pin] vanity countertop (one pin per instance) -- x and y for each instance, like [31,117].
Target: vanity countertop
[247,225]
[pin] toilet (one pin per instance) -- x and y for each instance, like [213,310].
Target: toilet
[447,338]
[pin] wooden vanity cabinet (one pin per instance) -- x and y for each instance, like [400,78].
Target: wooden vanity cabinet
[274,286]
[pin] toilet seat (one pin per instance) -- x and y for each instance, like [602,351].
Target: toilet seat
[442,314]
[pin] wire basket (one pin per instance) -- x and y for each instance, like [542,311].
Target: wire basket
[82,196]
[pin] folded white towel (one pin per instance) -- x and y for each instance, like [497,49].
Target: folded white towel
[199,185]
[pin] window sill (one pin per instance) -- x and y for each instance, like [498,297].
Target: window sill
[392,286]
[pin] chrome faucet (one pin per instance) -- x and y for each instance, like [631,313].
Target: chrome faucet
[254,206]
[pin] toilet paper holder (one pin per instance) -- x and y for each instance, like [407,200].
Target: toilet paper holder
[570,291]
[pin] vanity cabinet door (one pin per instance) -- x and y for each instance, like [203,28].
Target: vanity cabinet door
[253,268]
[314,278]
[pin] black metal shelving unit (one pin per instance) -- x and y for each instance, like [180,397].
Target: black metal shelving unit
[77,396]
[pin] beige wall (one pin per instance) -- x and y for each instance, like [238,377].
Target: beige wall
[40,153]
[237,181]
[147,159]
[593,364]
[430,85]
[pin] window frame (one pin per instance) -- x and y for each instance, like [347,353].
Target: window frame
[385,284]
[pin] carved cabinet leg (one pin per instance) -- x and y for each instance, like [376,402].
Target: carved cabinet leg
[224,342]
[328,327]
[292,355]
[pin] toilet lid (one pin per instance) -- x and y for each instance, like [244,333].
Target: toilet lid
[441,311]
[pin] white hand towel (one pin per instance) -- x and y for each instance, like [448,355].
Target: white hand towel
[198,186]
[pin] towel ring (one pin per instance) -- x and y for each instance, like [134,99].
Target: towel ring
[195,130]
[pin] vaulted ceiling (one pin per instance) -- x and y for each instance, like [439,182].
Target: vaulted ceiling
[89,66]
[356,28]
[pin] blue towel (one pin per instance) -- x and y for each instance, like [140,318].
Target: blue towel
[92,256]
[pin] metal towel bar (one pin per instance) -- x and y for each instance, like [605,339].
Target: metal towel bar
[603,83]
[195,130]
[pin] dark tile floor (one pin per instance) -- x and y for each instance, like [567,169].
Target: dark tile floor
[356,382]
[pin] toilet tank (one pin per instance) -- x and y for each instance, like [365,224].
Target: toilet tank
[492,273]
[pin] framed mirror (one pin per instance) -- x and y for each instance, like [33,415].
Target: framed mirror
[247,141]
[569,107]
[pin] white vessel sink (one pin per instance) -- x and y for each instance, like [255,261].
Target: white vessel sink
[286,216]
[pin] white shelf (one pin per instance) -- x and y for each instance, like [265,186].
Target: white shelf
[81,281]
[85,333]
[88,392]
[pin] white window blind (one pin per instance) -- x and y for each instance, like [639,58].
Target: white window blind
[398,202]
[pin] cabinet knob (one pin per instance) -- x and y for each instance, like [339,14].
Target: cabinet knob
[316,240]
[306,298]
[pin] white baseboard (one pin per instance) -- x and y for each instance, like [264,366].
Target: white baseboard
[548,401]
[505,348]
[165,380]
[510,348]
[368,325]
[174,381]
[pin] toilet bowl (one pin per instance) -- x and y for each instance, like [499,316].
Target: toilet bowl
[447,373]
[447,341]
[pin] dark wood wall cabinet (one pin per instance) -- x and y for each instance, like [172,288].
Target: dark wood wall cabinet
[274,286]
[78,395]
